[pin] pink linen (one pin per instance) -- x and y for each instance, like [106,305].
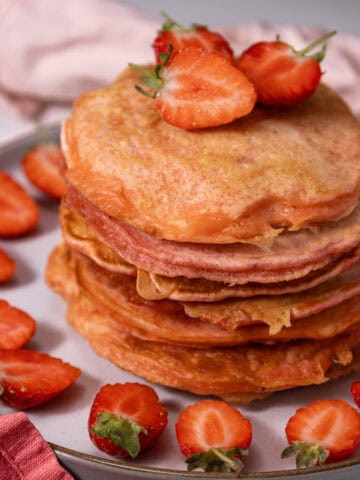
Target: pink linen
[24,454]
[53,51]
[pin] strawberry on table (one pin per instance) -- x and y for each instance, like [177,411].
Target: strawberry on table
[16,327]
[198,89]
[43,165]
[19,213]
[213,435]
[282,75]
[355,392]
[7,267]
[29,378]
[325,431]
[125,419]
[180,37]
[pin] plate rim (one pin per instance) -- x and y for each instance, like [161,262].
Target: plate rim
[127,466]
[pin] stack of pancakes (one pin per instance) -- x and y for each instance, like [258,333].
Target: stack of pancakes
[220,261]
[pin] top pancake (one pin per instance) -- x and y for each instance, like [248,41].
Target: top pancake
[245,181]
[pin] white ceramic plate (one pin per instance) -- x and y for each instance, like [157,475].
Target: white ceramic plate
[63,421]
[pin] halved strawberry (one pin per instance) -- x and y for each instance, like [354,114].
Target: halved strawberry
[29,378]
[198,89]
[7,267]
[355,392]
[180,37]
[16,327]
[213,436]
[283,76]
[325,431]
[125,419]
[43,165]
[19,213]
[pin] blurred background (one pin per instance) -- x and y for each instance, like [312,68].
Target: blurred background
[342,15]
[54,51]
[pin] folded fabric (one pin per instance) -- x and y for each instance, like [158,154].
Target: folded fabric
[24,454]
[53,51]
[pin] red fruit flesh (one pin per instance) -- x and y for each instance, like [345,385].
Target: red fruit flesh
[212,424]
[332,424]
[202,89]
[7,267]
[19,214]
[29,378]
[16,327]
[43,166]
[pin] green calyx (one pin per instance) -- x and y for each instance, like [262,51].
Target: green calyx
[121,431]
[153,79]
[307,454]
[171,24]
[320,54]
[217,460]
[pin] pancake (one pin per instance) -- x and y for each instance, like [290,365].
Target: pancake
[287,258]
[152,286]
[237,373]
[166,321]
[273,169]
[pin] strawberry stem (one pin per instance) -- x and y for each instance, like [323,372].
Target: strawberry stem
[306,454]
[121,431]
[318,56]
[153,80]
[170,23]
[217,460]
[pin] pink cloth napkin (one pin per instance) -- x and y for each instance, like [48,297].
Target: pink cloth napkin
[24,454]
[53,51]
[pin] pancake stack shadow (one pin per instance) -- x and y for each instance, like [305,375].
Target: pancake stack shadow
[222,262]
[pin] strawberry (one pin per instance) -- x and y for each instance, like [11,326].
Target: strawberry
[43,165]
[355,392]
[198,89]
[7,267]
[325,431]
[18,212]
[283,76]
[180,37]
[16,327]
[213,435]
[125,419]
[29,378]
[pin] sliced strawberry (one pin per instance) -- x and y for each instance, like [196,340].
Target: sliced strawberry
[198,89]
[283,76]
[325,431]
[7,267]
[213,436]
[355,392]
[29,378]
[125,419]
[16,327]
[43,165]
[180,37]
[19,213]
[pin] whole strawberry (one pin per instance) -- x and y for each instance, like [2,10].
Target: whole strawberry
[283,76]
[197,89]
[213,435]
[325,431]
[180,37]
[126,419]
